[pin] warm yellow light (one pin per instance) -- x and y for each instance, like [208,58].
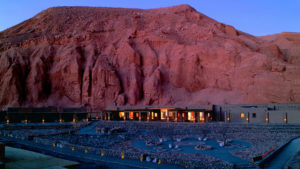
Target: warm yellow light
[159,161]
[97,117]
[52,144]
[137,114]
[131,115]
[201,118]
[267,119]
[85,150]
[247,119]
[152,115]
[191,116]
[164,113]
[121,115]
[73,148]
[208,115]
[155,115]
[242,115]
[60,120]
[74,120]
[141,158]
[87,120]
[122,155]
[7,121]
[228,118]
[43,121]
[102,153]
[25,121]
[285,120]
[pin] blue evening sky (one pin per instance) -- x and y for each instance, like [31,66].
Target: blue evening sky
[257,17]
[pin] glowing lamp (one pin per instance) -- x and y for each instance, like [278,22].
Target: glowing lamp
[141,158]
[73,148]
[159,161]
[7,121]
[122,155]
[242,115]
[102,153]
[85,150]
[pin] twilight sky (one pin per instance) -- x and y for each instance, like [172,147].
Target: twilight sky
[257,17]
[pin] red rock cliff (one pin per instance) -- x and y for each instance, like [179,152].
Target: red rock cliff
[84,56]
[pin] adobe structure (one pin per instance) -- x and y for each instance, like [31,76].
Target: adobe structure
[256,113]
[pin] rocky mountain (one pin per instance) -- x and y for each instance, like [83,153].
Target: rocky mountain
[93,56]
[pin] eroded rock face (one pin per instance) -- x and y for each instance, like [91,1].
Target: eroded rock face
[81,56]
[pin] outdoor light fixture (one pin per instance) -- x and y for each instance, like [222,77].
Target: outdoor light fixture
[141,158]
[242,115]
[267,120]
[102,153]
[122,155]
[7,121]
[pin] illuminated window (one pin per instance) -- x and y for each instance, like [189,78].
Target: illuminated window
[137,114]
[155,115]
[191,116]
[130,115]
[242,115]
[164,113]
[201,118]
[121,114]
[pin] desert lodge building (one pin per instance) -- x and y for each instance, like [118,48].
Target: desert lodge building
[260,113]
